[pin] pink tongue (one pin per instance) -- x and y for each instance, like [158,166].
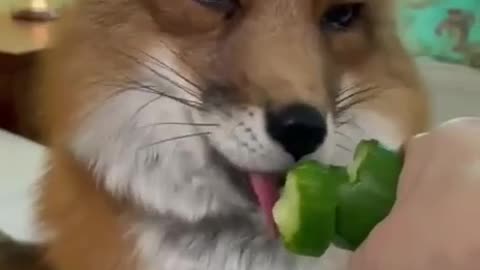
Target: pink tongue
[267,194]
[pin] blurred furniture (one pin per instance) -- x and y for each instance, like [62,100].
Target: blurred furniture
[21,160]
[21,163]
[21,37]
[21,43]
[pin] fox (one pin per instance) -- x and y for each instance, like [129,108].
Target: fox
[171,123]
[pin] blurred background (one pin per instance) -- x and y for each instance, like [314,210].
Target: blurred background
[443,36]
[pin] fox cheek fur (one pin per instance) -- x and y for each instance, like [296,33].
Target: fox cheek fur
[163,107]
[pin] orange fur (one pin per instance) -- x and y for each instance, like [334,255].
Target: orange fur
[73,205]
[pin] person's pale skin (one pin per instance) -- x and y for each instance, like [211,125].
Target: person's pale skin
[435,224]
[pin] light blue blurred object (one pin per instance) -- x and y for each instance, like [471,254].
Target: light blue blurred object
[447,30]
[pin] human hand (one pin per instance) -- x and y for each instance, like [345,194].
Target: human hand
[435,223]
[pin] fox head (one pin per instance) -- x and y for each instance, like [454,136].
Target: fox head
[175,105]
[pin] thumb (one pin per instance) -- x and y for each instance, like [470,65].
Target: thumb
[378,251]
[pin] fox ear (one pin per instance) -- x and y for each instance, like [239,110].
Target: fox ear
[20,256]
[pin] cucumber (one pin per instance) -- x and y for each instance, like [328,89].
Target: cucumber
[323,205]
[305,213]
[367,198]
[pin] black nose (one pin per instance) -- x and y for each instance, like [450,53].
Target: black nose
[299,128]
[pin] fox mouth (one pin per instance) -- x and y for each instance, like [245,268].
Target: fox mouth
[266,188]
[261,188]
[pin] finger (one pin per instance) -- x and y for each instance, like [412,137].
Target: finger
[471,123]
[416,152]
[445,150]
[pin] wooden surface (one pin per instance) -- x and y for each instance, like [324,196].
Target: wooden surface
[16,85]
[20,44]
[17,37]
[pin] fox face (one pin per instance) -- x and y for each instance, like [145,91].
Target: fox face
[194,110]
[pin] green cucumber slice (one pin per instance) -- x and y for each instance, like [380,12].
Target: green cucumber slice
[305,213]
[369,195]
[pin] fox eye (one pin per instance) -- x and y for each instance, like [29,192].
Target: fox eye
[226,6]
[342,16]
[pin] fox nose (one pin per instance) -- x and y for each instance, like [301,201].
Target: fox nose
[300,129]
